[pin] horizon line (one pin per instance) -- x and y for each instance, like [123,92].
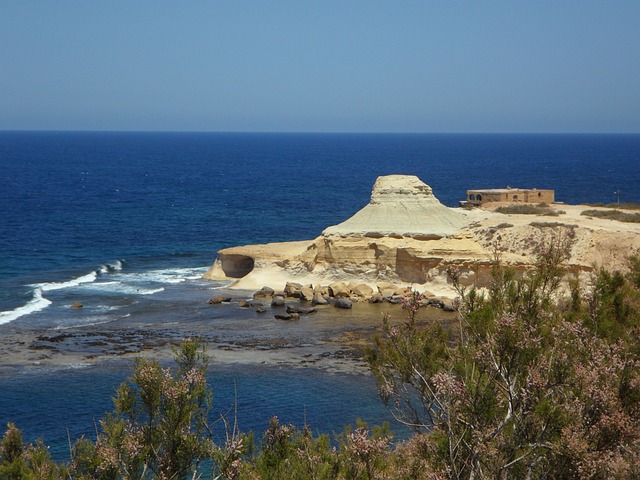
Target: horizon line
[316,132]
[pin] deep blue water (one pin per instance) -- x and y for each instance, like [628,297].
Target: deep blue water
[127,222]
[76,400]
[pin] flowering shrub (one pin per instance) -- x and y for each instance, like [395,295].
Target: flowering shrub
[527,387]
[159,426]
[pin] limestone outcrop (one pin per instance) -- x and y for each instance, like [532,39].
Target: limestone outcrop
[402,206]
[405,236]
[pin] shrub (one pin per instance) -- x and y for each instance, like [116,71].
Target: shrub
[623,206]
[158,428]
[613,215]
[528,209]
[518,391]
[20,461]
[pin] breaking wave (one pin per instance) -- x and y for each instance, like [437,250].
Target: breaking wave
[48,287]
[108,280]
[37,303]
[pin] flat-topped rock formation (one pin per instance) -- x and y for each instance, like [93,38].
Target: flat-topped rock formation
[406,236]
[402,206]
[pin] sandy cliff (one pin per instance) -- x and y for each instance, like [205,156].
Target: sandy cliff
[405,235]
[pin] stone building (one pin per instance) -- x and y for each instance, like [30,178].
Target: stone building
[508,195]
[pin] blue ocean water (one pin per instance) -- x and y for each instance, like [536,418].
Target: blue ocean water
[76,400]
[128,222]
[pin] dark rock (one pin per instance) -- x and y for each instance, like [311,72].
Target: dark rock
[300,310]
[283,316]
[343,303]
[218,300]
[435,302]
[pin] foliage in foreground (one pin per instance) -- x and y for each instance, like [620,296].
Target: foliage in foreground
[531,384]
[528,386]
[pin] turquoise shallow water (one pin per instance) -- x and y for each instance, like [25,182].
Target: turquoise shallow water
[127,222]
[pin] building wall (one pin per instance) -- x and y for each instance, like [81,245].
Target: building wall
[511,195]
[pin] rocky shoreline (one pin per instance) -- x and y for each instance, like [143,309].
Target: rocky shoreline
[327,338]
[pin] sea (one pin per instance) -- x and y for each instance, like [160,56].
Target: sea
[126,223]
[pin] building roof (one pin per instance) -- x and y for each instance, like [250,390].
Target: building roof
[507,190]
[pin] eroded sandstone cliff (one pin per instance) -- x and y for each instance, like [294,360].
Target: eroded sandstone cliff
[406,236]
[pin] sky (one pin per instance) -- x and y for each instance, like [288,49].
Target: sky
[558,66]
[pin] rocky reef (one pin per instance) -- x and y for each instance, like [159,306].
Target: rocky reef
[407,237]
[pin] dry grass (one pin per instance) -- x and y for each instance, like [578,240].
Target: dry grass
[613,215]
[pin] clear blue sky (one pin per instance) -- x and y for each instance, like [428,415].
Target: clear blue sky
[298,65]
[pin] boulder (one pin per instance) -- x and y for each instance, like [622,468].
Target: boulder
[261,309]
[376,298]
[306,294]
[395,299]
[278,301]
[362,290]
[343,302]
[244,304]
[283,316]
[218,300]
[339,289]
[294,316]
[387,292]
[291,288]
[388,286]
[436,302]
[318,299]
[77,305]
[264,292]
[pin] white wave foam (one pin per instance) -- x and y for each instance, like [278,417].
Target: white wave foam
[47,287]
[167,275]
[87,322]
[116,266]
[121,288]
[151,292]
[37,303]
[111,267]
